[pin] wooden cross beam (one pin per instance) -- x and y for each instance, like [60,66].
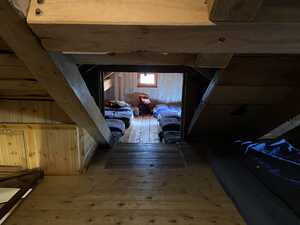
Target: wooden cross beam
[202,103]
[58,75]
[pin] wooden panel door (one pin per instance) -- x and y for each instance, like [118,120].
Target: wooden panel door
[12,148]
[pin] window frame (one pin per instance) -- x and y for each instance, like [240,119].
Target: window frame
[142,85]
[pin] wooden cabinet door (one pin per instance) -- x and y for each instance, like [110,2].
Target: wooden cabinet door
[12,148]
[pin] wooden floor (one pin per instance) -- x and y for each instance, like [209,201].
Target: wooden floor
[146,156]
[143,129]
[139,196]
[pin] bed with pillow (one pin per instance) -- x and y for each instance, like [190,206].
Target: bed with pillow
[119,110]
[169,118]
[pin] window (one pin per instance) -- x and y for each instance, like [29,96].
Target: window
[147,80]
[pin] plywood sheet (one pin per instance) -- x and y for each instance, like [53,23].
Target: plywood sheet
[7,193]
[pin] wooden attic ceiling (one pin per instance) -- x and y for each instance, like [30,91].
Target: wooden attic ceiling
[16,81]
[179,26]
[252,96]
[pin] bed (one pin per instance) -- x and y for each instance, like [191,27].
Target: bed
[277,164]
[119,110]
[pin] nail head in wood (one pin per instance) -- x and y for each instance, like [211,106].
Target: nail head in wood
[222,39]
[38,11]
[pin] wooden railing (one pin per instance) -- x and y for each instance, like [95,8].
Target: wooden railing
[24,180]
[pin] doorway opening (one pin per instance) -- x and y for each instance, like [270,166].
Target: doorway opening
[144,107]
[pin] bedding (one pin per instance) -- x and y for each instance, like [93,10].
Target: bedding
[116,125]
[123,113]
[125,116]
[120,109]
[116,104]
[277,164]
[168,114]
[171,110]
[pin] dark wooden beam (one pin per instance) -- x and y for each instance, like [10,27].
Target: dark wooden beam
[233,10]
[150,58]
[203,102]
[61,79]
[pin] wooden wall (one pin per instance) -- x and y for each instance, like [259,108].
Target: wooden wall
[38,134]
[16,82]
[253,95]
[34,131]
[57,149]
[32,111]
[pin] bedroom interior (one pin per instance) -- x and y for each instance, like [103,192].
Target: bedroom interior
[124,112]
[144,107]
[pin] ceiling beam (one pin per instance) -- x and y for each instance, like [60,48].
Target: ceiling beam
[229,38]
[233,10]
[180,26]
[61,79]
[217,61]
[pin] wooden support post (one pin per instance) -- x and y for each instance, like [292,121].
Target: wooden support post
[202,103]
[61,79]
[233,10]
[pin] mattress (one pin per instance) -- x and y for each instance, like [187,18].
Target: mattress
[170,124]
[171,137]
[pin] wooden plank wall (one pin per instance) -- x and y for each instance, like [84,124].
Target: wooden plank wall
[50,147]
[254,95]
[16,81]
[34,130]
[32,111]
[56,149]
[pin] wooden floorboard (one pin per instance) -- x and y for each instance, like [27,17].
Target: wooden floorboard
[139,196]
[143,129]
[148,156]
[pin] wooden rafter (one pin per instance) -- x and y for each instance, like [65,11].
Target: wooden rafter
[203,102]
[61,79]
[217,61]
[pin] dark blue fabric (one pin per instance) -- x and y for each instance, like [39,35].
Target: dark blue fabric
[125,115]
[166,109]
[276,164]
[116,125]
